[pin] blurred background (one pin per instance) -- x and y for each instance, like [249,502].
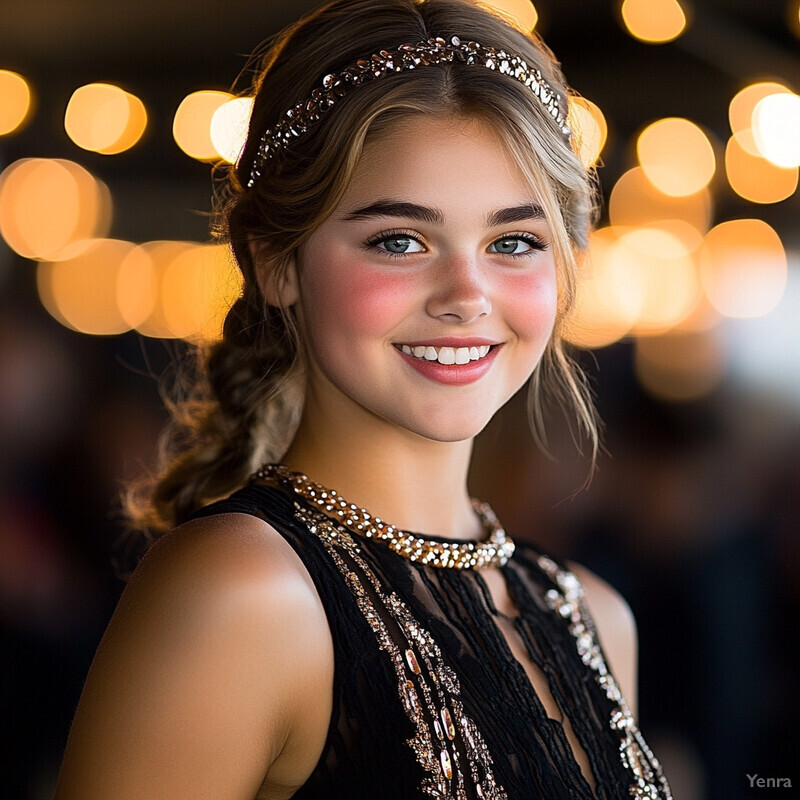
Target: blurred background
[111,116]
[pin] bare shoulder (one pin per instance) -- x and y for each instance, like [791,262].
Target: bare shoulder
[616,628]
[216,660]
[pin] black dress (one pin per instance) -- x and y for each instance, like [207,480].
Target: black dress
[429,700]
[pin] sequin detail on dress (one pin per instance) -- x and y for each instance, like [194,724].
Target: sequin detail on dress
[567,600]
[447,743]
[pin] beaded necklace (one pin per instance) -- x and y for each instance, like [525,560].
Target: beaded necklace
[493,551]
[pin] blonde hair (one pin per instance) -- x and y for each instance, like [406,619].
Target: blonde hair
[244,407]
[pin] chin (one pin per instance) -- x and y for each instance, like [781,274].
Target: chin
[450,430]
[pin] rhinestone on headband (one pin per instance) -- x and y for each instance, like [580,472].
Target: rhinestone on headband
[494,551]
[302,116]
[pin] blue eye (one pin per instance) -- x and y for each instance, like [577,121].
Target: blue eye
[515,245]
[396,244]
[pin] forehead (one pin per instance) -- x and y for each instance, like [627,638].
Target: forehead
[443,160]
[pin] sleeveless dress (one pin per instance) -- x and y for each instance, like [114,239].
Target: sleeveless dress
[429,700]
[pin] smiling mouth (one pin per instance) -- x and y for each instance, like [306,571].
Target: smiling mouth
[446,355]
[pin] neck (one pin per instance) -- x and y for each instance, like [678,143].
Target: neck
[407,480]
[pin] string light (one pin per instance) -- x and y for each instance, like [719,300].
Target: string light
[191,125]
[229,127]
[15,101]
[654,21]
[776,122]
[589,129]
[676,156]
[104,118]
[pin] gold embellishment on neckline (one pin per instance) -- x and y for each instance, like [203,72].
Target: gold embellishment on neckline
[494,551]
[428,689]
[635,754]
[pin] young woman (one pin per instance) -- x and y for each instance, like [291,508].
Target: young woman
[407,215]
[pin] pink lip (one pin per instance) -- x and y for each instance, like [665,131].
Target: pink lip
[452,374]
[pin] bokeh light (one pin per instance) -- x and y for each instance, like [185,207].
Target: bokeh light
[199,287]
[589,129]
[776,129]
[742,107]
[635,201]
[229,127]
[756,179]
[141,281]
[104,118]
[73,204]
[658,266]
[81,292]
[191,125]
[793,17]
[743,268]
[654,21]
[15,101]
[680,367]
[676,156]
[605,309]
[523,12]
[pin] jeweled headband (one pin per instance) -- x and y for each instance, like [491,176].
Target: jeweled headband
[304,115]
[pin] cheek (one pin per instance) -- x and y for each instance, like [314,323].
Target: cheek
[357,301]
[531,303]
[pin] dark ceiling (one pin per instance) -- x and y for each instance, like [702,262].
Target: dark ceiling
[163,49]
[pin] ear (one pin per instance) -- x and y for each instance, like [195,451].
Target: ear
[277,279]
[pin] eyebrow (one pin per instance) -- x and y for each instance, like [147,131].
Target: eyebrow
[505,216]
[389,208]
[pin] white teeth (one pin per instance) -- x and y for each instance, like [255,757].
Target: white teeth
[447,355]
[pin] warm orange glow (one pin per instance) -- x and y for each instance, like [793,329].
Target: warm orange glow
[46,205]
[199,287]
[635,201]
[138,284]
[104,118]
[589,129]
[776,122]
[655,265]
[134,130]
[143,290]
[756,179]
[742,107]
[680,367]
[793,17]
[676,156]
[604,310]
[81,292]
[523,12]
[191,126]
[229,127]
[743,104]
[15,101]
[743,268]
[654,21]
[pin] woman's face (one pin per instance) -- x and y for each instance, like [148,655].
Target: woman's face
[426,300]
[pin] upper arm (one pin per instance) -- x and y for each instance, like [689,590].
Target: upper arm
[197,684]
[616,629]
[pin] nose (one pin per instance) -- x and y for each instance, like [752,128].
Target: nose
[459,293]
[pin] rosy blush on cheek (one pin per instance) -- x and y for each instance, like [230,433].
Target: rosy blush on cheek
[365,301]
[531,302]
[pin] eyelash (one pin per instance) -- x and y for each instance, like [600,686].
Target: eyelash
[536,244]
[396,233]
